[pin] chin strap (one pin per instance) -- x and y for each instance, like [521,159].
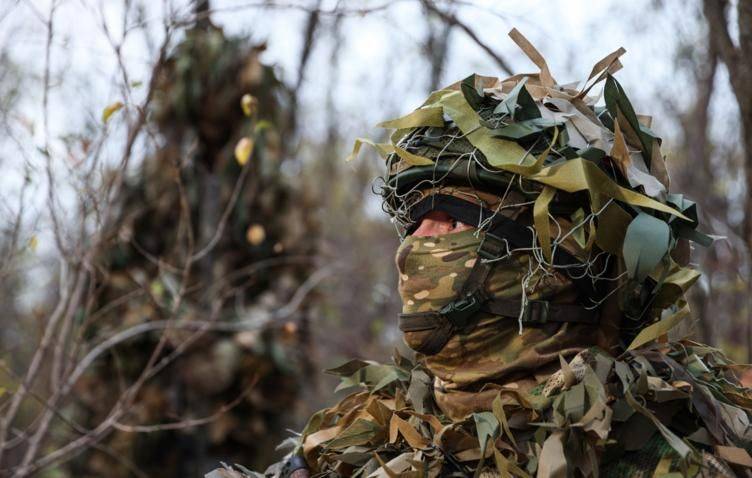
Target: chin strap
[501,233]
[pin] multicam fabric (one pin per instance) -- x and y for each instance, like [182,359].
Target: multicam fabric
[661,409]
[492,349]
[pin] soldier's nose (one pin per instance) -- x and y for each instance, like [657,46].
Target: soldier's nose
[438,222]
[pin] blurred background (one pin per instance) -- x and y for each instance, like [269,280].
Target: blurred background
[183,249]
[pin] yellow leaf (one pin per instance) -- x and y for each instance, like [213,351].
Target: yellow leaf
[383,148]
[433,116]
[262,125]
[107,112]
[255,234]
[412,159]
[243,150]
[248,103]
[659,328]
[33,243]
[540,218]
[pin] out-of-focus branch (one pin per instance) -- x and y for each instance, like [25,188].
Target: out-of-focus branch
[51,197]
[69,305]
[436,47]
[190,422]
[739,65]
[125,401]
[309,36]
[237,189]
[715,13]
[453,20]
[338,10]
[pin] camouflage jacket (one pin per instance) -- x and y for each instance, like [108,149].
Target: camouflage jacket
[665,409]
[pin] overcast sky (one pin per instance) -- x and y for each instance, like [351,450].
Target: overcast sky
[379,49]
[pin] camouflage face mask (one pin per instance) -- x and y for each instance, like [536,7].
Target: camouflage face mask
[493,349]
[432,270]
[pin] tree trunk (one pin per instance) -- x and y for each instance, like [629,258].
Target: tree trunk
[739,64]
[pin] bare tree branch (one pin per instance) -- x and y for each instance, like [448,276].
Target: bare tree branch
[452,19]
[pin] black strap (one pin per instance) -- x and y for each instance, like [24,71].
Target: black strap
[535,312]
[295,463]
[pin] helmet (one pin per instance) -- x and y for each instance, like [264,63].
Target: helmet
[586,173]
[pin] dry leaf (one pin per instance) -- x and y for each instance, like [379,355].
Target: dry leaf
[255,234]
[110,110]
[243,150]
[248,103]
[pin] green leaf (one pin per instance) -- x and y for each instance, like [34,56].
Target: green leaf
[487,426]
[659,328]
[687,207]
[525,128]
[499,153]
[591,154]
[519,104]
[375,376]
[262,126]
[645,244]
[385,377]
[472,93]
[348,368]
[360,432]
[617,102]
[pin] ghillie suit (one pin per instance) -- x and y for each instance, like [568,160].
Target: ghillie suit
[541,334]
[252,267]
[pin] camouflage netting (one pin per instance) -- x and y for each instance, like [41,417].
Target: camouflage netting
[589,174]
[254,268]
[583,193]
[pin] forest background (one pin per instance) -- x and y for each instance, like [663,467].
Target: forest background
[183,249]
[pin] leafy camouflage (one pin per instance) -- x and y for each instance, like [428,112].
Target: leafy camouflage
[557,399]
[665,408]
[554,145]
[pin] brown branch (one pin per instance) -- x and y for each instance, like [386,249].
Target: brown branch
[271,5]
[191,422]
[78,287]
[452,19]
[237,189]
[436,48]
[36,362]
[739,65]
[715,13]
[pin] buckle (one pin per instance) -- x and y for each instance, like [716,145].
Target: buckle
[295,463]
[491,247]
[535,312]
[458,311]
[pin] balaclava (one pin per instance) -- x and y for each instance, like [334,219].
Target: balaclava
[494,349]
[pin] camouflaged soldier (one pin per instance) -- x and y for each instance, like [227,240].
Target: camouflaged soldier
[543,261]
